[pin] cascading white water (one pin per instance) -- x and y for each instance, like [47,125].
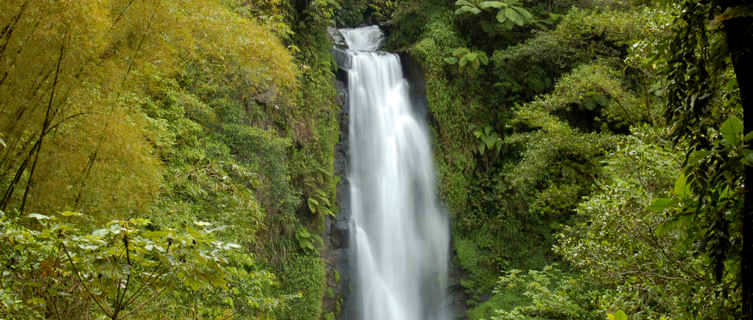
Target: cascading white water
[400,234]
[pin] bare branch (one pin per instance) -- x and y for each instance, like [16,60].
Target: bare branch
[81,281]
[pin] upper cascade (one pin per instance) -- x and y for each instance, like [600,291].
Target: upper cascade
[363,39]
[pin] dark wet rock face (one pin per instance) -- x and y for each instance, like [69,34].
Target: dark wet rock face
[414,74]
[456,294]
[337,38]
[337,235]
[340,225]
[342,59]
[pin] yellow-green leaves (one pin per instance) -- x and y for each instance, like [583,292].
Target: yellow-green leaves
[619,315]
[80,124]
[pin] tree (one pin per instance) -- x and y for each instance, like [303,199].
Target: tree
[696,96]
[738,28]
[58,270]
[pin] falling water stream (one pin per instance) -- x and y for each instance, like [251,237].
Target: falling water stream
[400,234]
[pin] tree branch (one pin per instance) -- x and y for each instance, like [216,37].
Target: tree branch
[45,126]
[81,281]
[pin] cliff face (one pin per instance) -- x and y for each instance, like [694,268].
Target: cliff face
[337,231]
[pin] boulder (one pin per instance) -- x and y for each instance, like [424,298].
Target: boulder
[343,60]
[337,38]
[268,96]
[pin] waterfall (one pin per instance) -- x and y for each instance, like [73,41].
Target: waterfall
[399,232]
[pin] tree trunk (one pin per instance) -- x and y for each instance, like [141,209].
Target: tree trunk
[739,32]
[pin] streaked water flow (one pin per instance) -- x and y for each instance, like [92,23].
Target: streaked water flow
[401,235]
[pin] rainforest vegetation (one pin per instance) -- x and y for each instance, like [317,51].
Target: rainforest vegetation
[175,159]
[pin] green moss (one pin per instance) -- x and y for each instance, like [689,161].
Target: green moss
[313,131]
[304,275]
[467,253]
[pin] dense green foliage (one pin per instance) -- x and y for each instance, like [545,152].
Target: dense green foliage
[181,141]
[556,125]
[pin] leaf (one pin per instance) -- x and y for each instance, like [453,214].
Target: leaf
[490,141]
[660,204]
[673,224]
[460,51]
[39,216]
[463,61]
[681,185]
[747,157]
[492,4]
[731,130]
[526,15]
[483,58]
[619,315]
[302,234]
[140,221]
[501,17]
[70,214]
[471,10]
[313,204]
[514,16]
[748,136]
[202,223]
[451,60]
[88,246]
[697,156]
[116,228]
[334,4]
